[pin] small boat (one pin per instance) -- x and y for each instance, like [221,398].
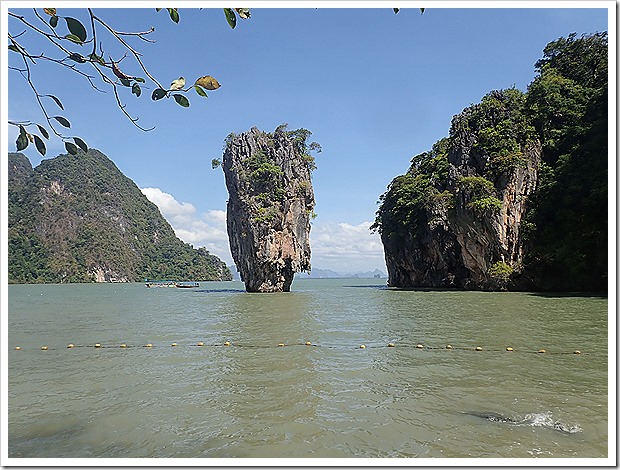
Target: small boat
[167,283]
[187,285]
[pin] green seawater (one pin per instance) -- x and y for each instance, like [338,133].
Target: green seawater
[330,399]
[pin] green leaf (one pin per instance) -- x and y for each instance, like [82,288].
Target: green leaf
[125,82]
[422,10]
[62,121]
[74,38]
[77,57]
[56,100]
[157,9]
[39,144]
[53,21]
[174,14]
[215,163]
[13,48]
[136,90]
[396,10]
[94,57]
[43,131]
[139,79]
[200,91]
[230,17]
[182,100]
[158,94]
[76,28]
[80,143]
[71,148]
[22,139]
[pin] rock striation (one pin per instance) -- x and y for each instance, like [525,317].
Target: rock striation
[455,220]
[270,206]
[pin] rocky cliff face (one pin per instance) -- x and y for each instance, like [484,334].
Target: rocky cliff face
[456,218]
[271,202]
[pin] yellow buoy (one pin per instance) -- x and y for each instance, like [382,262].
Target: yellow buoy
[542,351]
[70,345]
[149,345]
[308,343]
[17,348]
[281,344]
[390,345]
[97,345]
[509,349]
[449,346]
[478,348]
[362,346]
[123,345]
[227,343]
[43,348]
[577,352]
[419,346]
[200,343]
[173,344]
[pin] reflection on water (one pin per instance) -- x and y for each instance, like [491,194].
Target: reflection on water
[254,398]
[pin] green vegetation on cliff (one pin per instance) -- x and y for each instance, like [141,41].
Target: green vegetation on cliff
[77,218]
[568,107]
[565,226]
[499,130]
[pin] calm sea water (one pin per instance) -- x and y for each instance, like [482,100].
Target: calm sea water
[331,399]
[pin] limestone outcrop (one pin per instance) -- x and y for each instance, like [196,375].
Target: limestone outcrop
[270,205]
[455,220]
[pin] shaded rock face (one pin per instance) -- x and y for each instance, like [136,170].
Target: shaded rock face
[271,202]
[468,228]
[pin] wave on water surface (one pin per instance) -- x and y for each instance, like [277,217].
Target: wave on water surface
[543,419]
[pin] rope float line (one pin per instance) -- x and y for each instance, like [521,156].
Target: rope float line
[420,346]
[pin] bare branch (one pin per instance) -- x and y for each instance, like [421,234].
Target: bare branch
[129,48]
[51,37]
[43,21]
[27,76]
[133,120]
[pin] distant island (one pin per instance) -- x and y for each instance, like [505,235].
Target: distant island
[77,218]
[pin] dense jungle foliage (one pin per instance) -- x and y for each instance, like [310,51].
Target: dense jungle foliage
[74,215]
[565,108]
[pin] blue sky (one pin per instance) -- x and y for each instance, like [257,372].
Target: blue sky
[374,88]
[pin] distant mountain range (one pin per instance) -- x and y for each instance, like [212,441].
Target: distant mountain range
[328,273]
[317,273]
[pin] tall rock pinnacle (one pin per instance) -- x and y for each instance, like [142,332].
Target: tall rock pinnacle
[270,205]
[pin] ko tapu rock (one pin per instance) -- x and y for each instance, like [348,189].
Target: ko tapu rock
[270,205]
[456,218]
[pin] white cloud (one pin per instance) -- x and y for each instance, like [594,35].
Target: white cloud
[341,247]
[207,229]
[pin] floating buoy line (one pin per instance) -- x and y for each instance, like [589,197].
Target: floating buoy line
[201,344]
